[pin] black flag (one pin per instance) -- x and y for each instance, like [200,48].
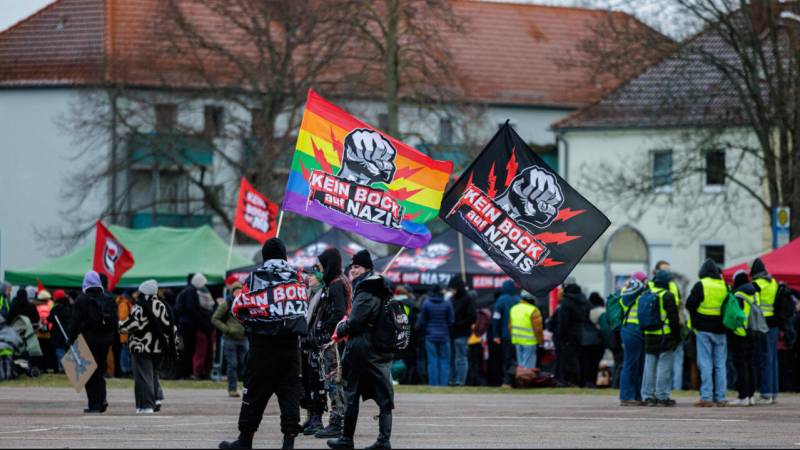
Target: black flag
[533,224]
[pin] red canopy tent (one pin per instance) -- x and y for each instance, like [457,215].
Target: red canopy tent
[782,263]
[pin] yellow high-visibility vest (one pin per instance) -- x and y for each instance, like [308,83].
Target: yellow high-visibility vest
[665,329]
[521,327]
[769,290]
[714,293]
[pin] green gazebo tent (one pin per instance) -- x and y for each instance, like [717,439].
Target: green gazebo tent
[166,254]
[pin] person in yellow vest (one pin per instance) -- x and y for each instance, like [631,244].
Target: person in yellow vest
[678,356]
[705,306]
[742,343]
[659,345]
[630,384]
[767,288]
[526,328]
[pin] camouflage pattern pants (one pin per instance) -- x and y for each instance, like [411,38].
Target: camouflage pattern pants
[333,384]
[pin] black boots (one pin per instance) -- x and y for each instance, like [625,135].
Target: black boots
[245,441]
[313,425]
[384,433]
[288,441]
[345,441]
[342,442]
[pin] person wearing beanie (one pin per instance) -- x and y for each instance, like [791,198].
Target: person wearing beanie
[272,307]
[630,384]
[767,288]
[360,265]
[151,335]
[742,342]
[234,341]
[659,345]
[527,332]
[194,309]
[94,316]
[464,315]
[500,317]
[61,313]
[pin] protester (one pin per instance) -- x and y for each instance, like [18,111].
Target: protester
[435,320]
[592,342]
[571,312]
[742,343]
[365,369]
[659,345]
[509,297]
[464,316]
[151,332]
[767,288]
[334,304]
[315,400]
[125,303]
[21,306]
[527,329]
[5,299]
[705,306]
[195,308]
[44,304]
[60,314]
[234,342]
[409,355]
[678,354]
[630,386]
[479,347]
[273,363]
[94,316]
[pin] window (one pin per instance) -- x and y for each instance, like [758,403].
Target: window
[662,170]
[166,117]
[383,121]
[445,131]
[715,253]
[213,120]
[715,168]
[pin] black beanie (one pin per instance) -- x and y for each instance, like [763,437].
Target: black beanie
[362,259]
[273,249]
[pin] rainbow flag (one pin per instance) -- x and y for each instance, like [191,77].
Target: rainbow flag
[354,177]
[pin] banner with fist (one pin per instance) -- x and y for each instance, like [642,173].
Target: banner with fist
[356,178]
[255,214]
[533,224]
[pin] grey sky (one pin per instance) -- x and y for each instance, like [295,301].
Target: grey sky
[12,11]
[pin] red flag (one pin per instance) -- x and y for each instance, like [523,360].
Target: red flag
[39,286]
[255,215]
[110,256]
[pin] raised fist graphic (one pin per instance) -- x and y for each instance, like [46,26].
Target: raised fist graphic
[368,157]
[534,197]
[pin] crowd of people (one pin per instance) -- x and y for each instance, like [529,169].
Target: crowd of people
[316,350]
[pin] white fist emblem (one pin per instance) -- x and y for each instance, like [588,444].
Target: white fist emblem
[534,197]
[368,158]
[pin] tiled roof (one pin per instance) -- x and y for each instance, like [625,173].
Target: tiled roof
[509,54]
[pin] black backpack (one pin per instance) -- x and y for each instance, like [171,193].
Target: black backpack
[784,304]
[392,331]
[103,313]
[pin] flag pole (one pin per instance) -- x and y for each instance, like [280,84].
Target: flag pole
[280,223]
[230,247]
[394,258]
[461,255]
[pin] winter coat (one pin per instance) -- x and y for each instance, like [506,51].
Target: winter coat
[572,312]
[333,305]
[195,308]
[436,317]
[21,306]
[62,310]
[124,307]
[366,370]
[500,316]
[590,333]
[656,343]
[464,312]
[226,323]
[701,322]
[149,326]
[94,315]
[273,302]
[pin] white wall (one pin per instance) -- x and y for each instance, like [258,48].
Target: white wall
[35,165]
[587,151]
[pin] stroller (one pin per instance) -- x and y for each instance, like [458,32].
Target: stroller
[18,344]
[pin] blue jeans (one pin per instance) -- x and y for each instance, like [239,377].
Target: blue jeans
[768,363]
[60,352]
[630,383]
[677,368]
[657,380]
[712,358]
[235,351]
[460,361]
[526,356]
[438,362]
[124,359]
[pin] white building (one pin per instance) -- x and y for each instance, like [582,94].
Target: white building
[53,61]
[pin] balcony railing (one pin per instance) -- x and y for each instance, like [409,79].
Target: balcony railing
[170,149]
[147,220]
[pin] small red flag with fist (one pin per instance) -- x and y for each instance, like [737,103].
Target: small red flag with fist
[255,214]
[110,256]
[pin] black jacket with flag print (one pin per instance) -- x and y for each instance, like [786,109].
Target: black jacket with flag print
[150,327]
[273,301]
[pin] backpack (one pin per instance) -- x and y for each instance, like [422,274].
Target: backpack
[649,312]
[732,314]
[756,323]
[103,314]
[393,329]
[615,313]
[784,305]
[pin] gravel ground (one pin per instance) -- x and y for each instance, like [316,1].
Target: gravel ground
[200,418]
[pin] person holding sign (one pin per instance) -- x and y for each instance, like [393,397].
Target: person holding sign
[95,317]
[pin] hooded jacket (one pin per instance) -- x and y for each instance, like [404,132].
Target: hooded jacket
[759,271]
[464,311]
[273,302]
[336,296]
[572,311]
[700,322]
[500,317]
[95,316]
[22,306]
[62,310]
[436,318]
[656,343]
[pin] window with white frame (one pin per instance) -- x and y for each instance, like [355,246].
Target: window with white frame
[715,170]
[662,170]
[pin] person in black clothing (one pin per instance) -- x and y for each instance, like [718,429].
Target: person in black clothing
[464,317]
[569,328]
[592,348]
[743,347]
[187,328]
[333,305]
[366,371]
[22,306]
[62,310]
[94,316]
[272,308]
